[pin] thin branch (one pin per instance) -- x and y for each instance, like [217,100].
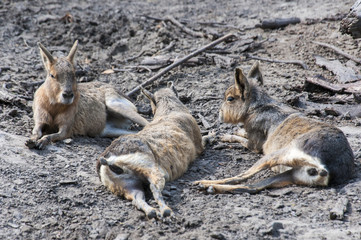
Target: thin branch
[184,28]
[339,51]
[135,57]
[298,62]
[179,62]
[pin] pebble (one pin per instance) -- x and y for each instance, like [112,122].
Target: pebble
[122,236]
[68,141]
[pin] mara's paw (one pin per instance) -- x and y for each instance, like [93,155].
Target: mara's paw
[30,143]
[166,212]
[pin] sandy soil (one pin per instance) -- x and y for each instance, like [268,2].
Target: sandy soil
[56,194]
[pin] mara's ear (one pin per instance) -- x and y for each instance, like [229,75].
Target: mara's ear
[255,72]
[46,56]
[241,82]
[149,95]
[170,85]
[151,98]
[72,52]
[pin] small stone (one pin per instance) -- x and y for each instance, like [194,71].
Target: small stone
[68,141]
[166,193]
[13,225]
[122,236]
[219,236]
[193,222]
[13,113]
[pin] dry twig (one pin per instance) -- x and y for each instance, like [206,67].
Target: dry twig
[179,62]
[184,28]
[337,88]
[339,51]
[298,62]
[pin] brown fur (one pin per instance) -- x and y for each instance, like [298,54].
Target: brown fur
[62,108]
[307,152]
[161,152]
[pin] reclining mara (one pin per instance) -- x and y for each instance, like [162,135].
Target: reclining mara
[159,153]
[62,108]
[307,152]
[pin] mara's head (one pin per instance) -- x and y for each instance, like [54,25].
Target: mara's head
[238,96]
[165,100]
[311,175]
[60,79]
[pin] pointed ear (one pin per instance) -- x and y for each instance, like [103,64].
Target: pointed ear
[255,72]
[46,56]
[148,94]
[241,82]
[72,52]
[170,85]
[151,98]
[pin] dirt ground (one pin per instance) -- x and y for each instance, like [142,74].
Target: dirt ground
[56,194]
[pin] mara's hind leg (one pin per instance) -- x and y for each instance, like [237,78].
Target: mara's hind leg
[288,156]
[111,131]
[122,107]
[127,185]
[153,174]
[158,197]
[260,165]
[304,175]
[138,200]
[279,180]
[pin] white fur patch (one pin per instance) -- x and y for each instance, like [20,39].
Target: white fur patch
[295,153]
[136,160]
[123,102]
[301,176]
[306,162]
[111,131]
[104,176]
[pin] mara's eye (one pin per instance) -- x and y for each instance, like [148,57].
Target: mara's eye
[312,172]
[51,75]
[230,99]
[116,169]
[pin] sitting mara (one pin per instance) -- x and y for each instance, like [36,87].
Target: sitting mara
[63,108]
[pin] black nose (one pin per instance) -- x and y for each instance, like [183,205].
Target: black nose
[68,94]
[323,173]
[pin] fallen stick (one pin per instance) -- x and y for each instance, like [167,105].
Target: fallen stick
[179,62]
[344,74]
[339,51]
[278,23]
[338,211]
[298,62]
[184,28]
[204,121]
[337,88]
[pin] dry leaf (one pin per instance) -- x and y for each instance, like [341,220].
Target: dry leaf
[108,71]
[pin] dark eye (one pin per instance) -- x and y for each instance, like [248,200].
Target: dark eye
[51,75]
[312,172]
[230,99]
[116,169]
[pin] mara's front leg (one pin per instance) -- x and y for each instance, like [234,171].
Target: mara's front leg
[63,133]
[65,124]
[41,119]
[240,137]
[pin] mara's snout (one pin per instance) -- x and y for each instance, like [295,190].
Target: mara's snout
[67,97]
